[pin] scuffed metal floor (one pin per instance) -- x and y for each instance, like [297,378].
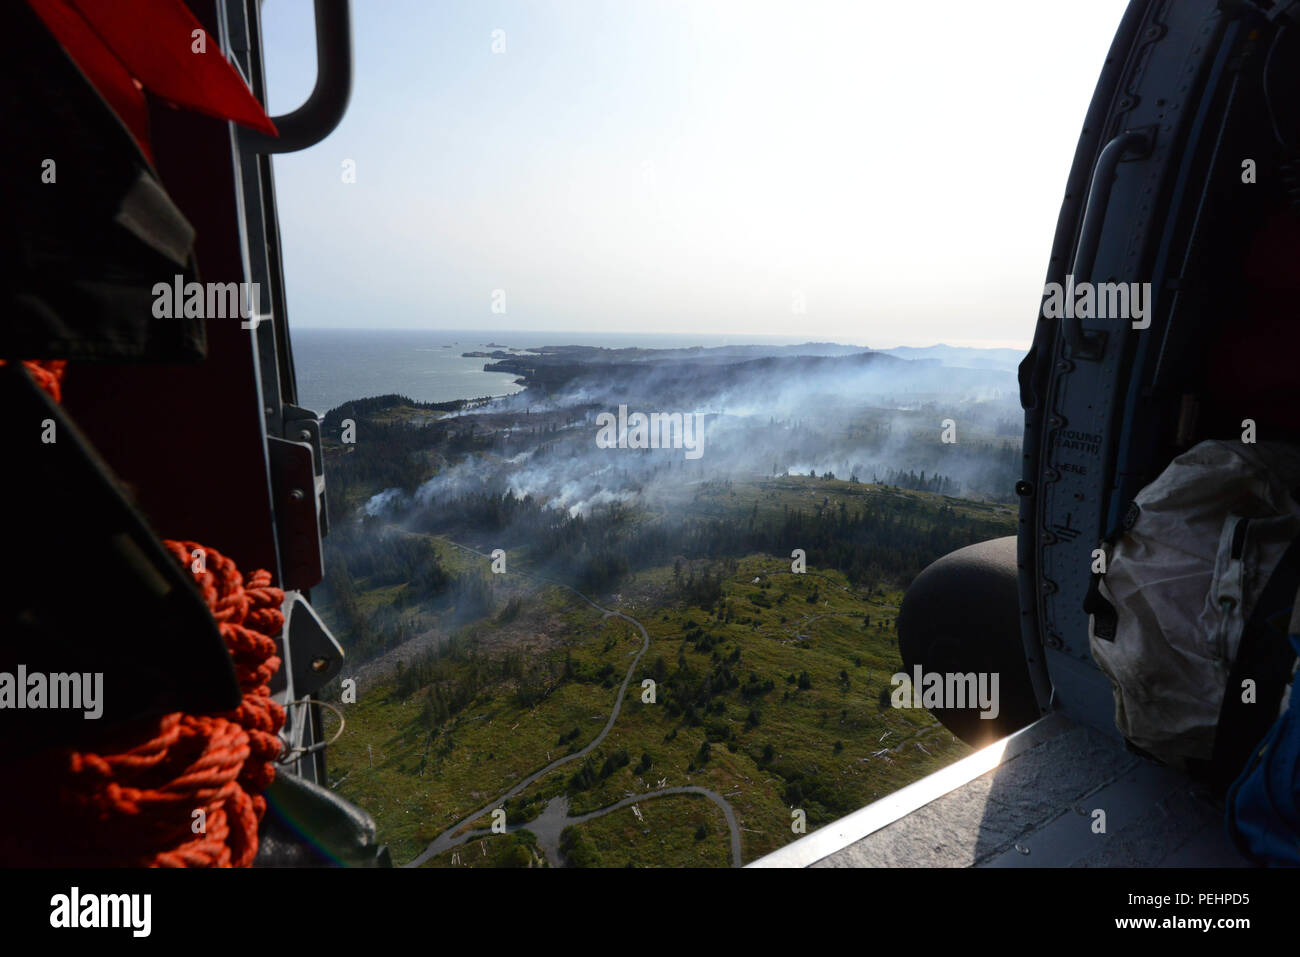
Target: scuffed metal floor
[1031,801]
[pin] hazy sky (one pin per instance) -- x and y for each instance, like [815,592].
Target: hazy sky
[695,166]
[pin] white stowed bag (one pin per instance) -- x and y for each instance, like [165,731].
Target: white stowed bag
[1200,545]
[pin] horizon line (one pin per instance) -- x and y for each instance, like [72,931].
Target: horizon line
[1022,345]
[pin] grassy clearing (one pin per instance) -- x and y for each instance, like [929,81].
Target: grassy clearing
[516,849]
[679,830]
[416,781]
[796,672]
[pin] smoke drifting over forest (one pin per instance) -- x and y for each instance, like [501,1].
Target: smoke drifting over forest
[861,416]
[590,476]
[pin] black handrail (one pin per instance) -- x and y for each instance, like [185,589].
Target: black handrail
[322,111]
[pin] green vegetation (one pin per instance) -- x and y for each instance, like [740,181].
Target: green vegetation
[674,831]
[516,849]
[725,717]
[770,688]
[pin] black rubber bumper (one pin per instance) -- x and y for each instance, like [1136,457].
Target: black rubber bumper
[961,616]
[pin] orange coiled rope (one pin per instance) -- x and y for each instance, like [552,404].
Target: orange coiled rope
[181,790]
[48,374]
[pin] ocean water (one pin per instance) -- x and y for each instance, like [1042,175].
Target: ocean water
[335,365]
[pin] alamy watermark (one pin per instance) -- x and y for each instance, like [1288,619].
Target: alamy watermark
[78,691]
[179,299]
[657,430]
[1107,300]
[75,910]
[947,691]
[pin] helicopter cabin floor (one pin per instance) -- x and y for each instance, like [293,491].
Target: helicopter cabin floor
[1055,794]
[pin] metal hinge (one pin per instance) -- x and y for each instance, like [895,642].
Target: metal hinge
[298,488]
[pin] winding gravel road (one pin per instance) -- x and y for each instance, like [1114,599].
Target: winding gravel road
[550,824]
[448,839]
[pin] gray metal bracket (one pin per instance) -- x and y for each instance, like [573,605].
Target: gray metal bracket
[303,425]
[299,497]
[315,656]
